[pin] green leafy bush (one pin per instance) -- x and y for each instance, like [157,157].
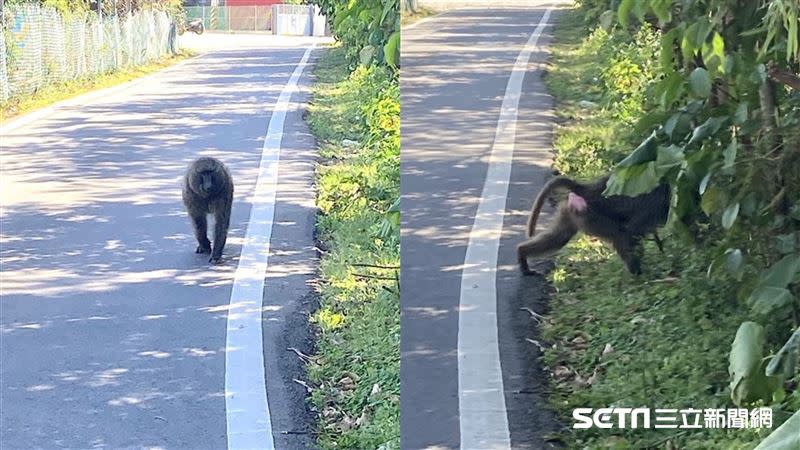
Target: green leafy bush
[368,29]
[630,74]
[688,98]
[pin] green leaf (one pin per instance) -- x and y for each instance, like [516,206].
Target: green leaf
[708,128]
[746,349]
[765,300]
[785,437]
[702,31]
[366,55]
[684,200]
[729,155]
[639,10]
[704,182]
[645,152]
[387,7]
[786,243]
[740,116]
[748,381]
[606,20]
[391,221]
[785,361]
[700,83]
[718,45]
[677,126]
[339,18]
[714,262]
[392,49]
[379,57]
[661,9]
[670,88]
[668,158]
[633,180]
[712,200]
[694,107]
[749,204]
[782,272]
[666,55]
[649,120]
[365,16]
[694,37]
[771,292]
[733,261]
[624,11]
[669,125]
[714,54]
[687,42]
[395,208]
[729,215]
[376,37]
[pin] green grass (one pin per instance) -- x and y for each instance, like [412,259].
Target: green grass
[61,91]
[356,371]
[667,333]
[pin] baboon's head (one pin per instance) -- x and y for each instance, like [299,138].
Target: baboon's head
[205,177]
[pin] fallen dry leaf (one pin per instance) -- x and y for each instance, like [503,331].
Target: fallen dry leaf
[347,384]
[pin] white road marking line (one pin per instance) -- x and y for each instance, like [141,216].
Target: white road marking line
[421,21]
[246,406]
[481,398]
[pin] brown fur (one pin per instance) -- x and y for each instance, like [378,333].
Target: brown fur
[208,189]
[619,220]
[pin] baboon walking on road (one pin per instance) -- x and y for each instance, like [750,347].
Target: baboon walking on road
[619,220]
[208,189]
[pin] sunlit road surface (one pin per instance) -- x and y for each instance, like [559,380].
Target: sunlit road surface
[470,379]
[113,331]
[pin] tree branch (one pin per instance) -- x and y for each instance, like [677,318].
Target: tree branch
[785,77]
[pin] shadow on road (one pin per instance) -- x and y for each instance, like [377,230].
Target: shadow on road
[455,70]
[110,322]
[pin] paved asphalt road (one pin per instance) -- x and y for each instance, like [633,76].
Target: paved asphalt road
[456,67]
[113,331]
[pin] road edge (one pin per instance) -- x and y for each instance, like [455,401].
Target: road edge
[483,419]
[249,424]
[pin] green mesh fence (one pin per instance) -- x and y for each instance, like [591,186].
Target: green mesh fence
[232,18]
[42,47]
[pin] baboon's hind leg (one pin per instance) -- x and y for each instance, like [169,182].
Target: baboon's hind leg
[629,249]
[658,241]
[200,226]
[545,244]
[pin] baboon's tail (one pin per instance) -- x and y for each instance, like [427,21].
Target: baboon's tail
[561,182]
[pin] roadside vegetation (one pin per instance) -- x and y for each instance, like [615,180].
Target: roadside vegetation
[704,96]
[355,116]
[54,89]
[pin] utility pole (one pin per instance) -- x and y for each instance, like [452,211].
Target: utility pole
[213,20]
